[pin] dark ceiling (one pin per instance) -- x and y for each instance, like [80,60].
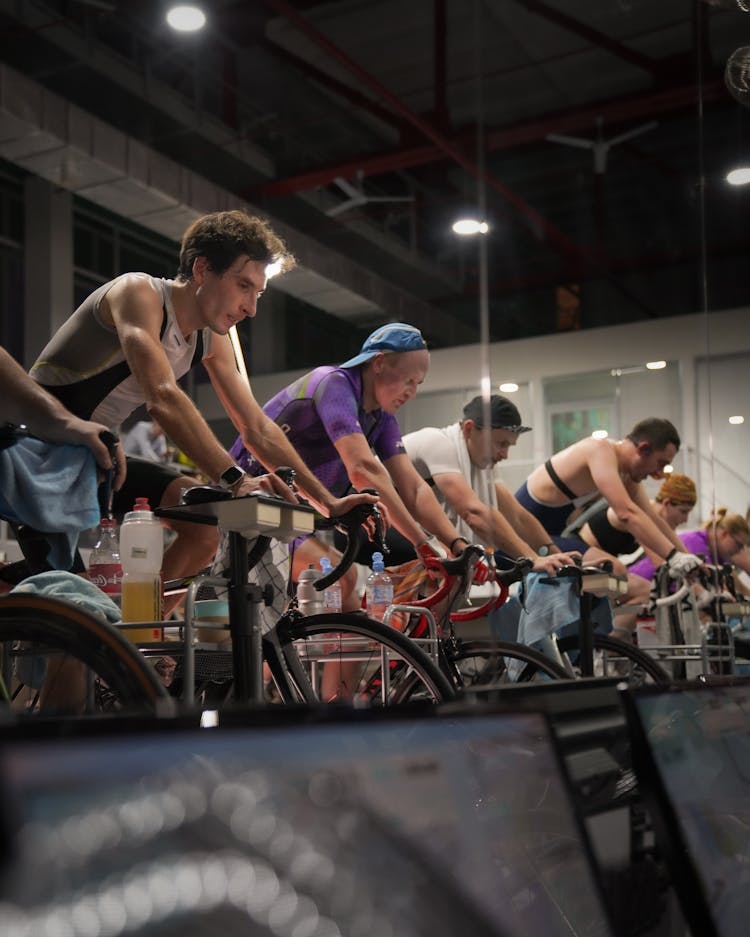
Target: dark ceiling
[596,134]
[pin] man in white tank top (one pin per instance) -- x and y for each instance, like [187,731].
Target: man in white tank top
[134,337]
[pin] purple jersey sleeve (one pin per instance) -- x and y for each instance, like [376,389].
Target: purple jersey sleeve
[336,405]
[694,541]
[338,411]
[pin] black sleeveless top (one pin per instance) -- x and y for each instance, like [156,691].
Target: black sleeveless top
[608,537]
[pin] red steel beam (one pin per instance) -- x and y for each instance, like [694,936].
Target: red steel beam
[578,119]
[343,90]
[533,218]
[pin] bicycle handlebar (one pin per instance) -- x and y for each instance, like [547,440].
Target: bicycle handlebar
[106,488]
[674,597]
[348,524]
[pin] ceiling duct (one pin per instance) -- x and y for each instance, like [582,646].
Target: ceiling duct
[69,147]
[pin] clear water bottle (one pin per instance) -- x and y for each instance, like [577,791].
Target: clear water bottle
[379,589]
[105,569]
[309,600]
[141,554]
[331,595]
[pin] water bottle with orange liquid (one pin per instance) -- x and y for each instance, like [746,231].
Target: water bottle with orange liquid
[141,554]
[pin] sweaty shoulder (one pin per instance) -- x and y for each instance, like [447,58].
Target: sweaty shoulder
[132,290]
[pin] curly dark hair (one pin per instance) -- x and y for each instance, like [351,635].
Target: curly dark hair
[223,236]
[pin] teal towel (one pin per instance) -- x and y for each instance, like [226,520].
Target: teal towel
[71,588]
[52,489]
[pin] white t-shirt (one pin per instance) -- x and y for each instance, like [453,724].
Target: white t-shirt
[443,451]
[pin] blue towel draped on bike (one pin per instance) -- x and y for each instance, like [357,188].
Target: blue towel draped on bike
[52,488]
[551,606]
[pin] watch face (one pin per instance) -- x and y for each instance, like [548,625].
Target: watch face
[543,550]
[231,476]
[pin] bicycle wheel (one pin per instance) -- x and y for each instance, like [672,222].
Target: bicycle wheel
[478,662]
[485,663]
[630,662]
[60,640]
[350,643]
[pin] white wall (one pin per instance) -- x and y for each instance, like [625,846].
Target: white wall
[683,341]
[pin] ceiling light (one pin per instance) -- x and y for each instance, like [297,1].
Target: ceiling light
[470,226]
[736,420]
[509,387]
[740,176]
[273,269]
[600,434]
[656,365]
[186,19]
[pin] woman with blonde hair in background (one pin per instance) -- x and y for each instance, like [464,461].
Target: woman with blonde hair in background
[724,538]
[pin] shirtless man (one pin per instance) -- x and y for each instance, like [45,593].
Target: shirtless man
[614,469]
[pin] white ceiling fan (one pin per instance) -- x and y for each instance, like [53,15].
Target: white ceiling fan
[599,146]
[356,195]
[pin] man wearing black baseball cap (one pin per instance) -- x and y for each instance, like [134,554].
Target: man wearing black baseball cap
[457,461]
[502,414]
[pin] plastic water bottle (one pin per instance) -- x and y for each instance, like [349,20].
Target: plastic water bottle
[379,589]
[105,569]
[141,554]
[331,595]
[309,600]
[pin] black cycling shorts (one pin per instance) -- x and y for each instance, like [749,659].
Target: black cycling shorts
[145,479]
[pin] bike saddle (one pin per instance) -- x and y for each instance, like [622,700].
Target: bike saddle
[202,494]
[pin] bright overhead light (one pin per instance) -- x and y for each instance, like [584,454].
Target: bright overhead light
[509,387]
[739,176]
[668,469]
[736,420]
[470,226]
[656,365]
[600,434]
[186,18]
[273,269]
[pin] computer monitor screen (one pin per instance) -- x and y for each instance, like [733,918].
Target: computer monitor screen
[691,751]
[412,825]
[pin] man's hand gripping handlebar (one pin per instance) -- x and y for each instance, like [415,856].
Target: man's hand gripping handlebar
[107,484]
[368,516]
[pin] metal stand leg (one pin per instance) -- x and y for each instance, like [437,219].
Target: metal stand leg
[586,637]
[245,626]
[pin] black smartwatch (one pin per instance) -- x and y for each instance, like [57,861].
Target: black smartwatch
[545,549]
[229,478]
